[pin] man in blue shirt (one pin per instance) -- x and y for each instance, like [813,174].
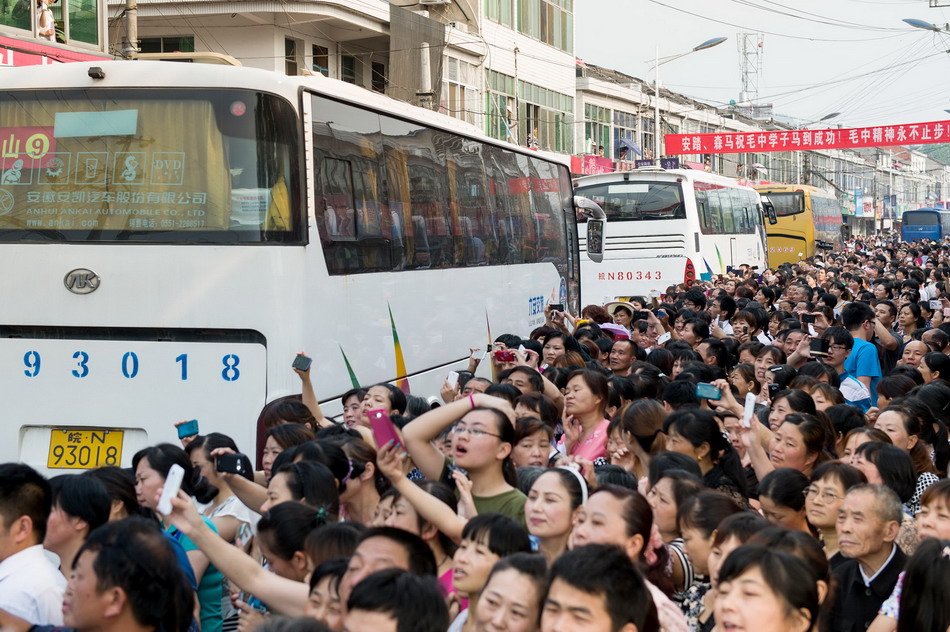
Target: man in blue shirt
[863,363]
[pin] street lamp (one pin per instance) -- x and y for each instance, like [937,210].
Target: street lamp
[798,154]
[716,41]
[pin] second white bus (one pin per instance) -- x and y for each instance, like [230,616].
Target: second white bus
[666,227]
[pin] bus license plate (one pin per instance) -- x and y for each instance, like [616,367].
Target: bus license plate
[83,449]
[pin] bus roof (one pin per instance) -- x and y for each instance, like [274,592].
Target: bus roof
[660,175]
[162,74]
[790,188]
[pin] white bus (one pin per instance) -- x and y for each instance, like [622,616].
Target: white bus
[666,227]
[172,235]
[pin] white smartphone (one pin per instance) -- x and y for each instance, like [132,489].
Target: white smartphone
[664,338]
[749,410]
[479,354]
[521,349]
[453,379]
[176,474]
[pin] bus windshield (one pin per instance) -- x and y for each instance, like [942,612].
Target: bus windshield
[148,165]
[633,201]
[787,203]
[921,218]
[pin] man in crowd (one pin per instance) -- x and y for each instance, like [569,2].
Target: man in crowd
[862,363]
[868,523]
[623,354]
[30,585]
[597,588]
[126,578]
[395,600]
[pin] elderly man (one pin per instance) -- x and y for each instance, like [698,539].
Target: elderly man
[868,523]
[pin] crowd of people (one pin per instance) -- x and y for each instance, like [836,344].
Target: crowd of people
[763,450]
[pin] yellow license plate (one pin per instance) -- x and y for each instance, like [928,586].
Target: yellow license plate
[82,449]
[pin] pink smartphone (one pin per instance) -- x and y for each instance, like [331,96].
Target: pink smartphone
[384,430]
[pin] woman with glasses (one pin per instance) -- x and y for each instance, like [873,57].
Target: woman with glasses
[823,497]
[482,440]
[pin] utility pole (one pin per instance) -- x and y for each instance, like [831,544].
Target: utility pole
[131,50]
[424,95]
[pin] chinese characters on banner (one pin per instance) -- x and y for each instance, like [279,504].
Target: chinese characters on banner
[794,140]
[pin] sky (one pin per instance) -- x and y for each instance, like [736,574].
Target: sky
[856,57]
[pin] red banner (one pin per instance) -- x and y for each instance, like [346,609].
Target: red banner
[591,165]
[795,140]
[24,52]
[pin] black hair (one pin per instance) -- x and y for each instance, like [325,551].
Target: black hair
[664,463]
[504,391]
[616,475]
[502,535]
[312,483]
[537,382]
[799,401]
[24,492]
[421,559]
[527,475]
[334,569]
[397,399]
[83,497]
[894,465]
[847,475]
[332,540]
[741,526]
[923,603]
[604,570]
[289,435]
[329,453]
[785,487]
[120,485]
[284,527]
[509,340]
[855,314]
[161,457]
[571,483]
[938,362]
[681,394]
[134,555]
[416,603]
[439,491]
[701,427]
[531,565]
[786,576]
[705,510]
[215,440]
[845,418]
[279,623]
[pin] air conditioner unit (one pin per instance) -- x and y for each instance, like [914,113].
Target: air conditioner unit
[434,2]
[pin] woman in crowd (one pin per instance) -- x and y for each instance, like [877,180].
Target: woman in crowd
[823,497]
[907,424]
[666,495]
[532,442]
[698,519]
[151,466]
[855,438]
[782,496]
[486,539]
[552,507]
[585,404]
[227,512]
[513,595]
[696,433]
[642,427]
[766,591]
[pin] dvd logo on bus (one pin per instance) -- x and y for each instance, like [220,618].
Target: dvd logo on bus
[81,281]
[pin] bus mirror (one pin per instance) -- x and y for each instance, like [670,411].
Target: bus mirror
[595,239]
[596,221]
[769,209]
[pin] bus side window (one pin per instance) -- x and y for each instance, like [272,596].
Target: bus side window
[702,206]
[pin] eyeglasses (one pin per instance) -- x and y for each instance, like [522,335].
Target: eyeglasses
[474,433]
[837,348]
[826,496]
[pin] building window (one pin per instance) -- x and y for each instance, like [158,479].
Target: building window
[65,22]
[551,21]
[291,59]
[596,129]
[625,137]
[649,126]
[545,118]
[350,69]
[321,60]
[173,44]
[501,11]
[460,96]
[500,115]
[379,77]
